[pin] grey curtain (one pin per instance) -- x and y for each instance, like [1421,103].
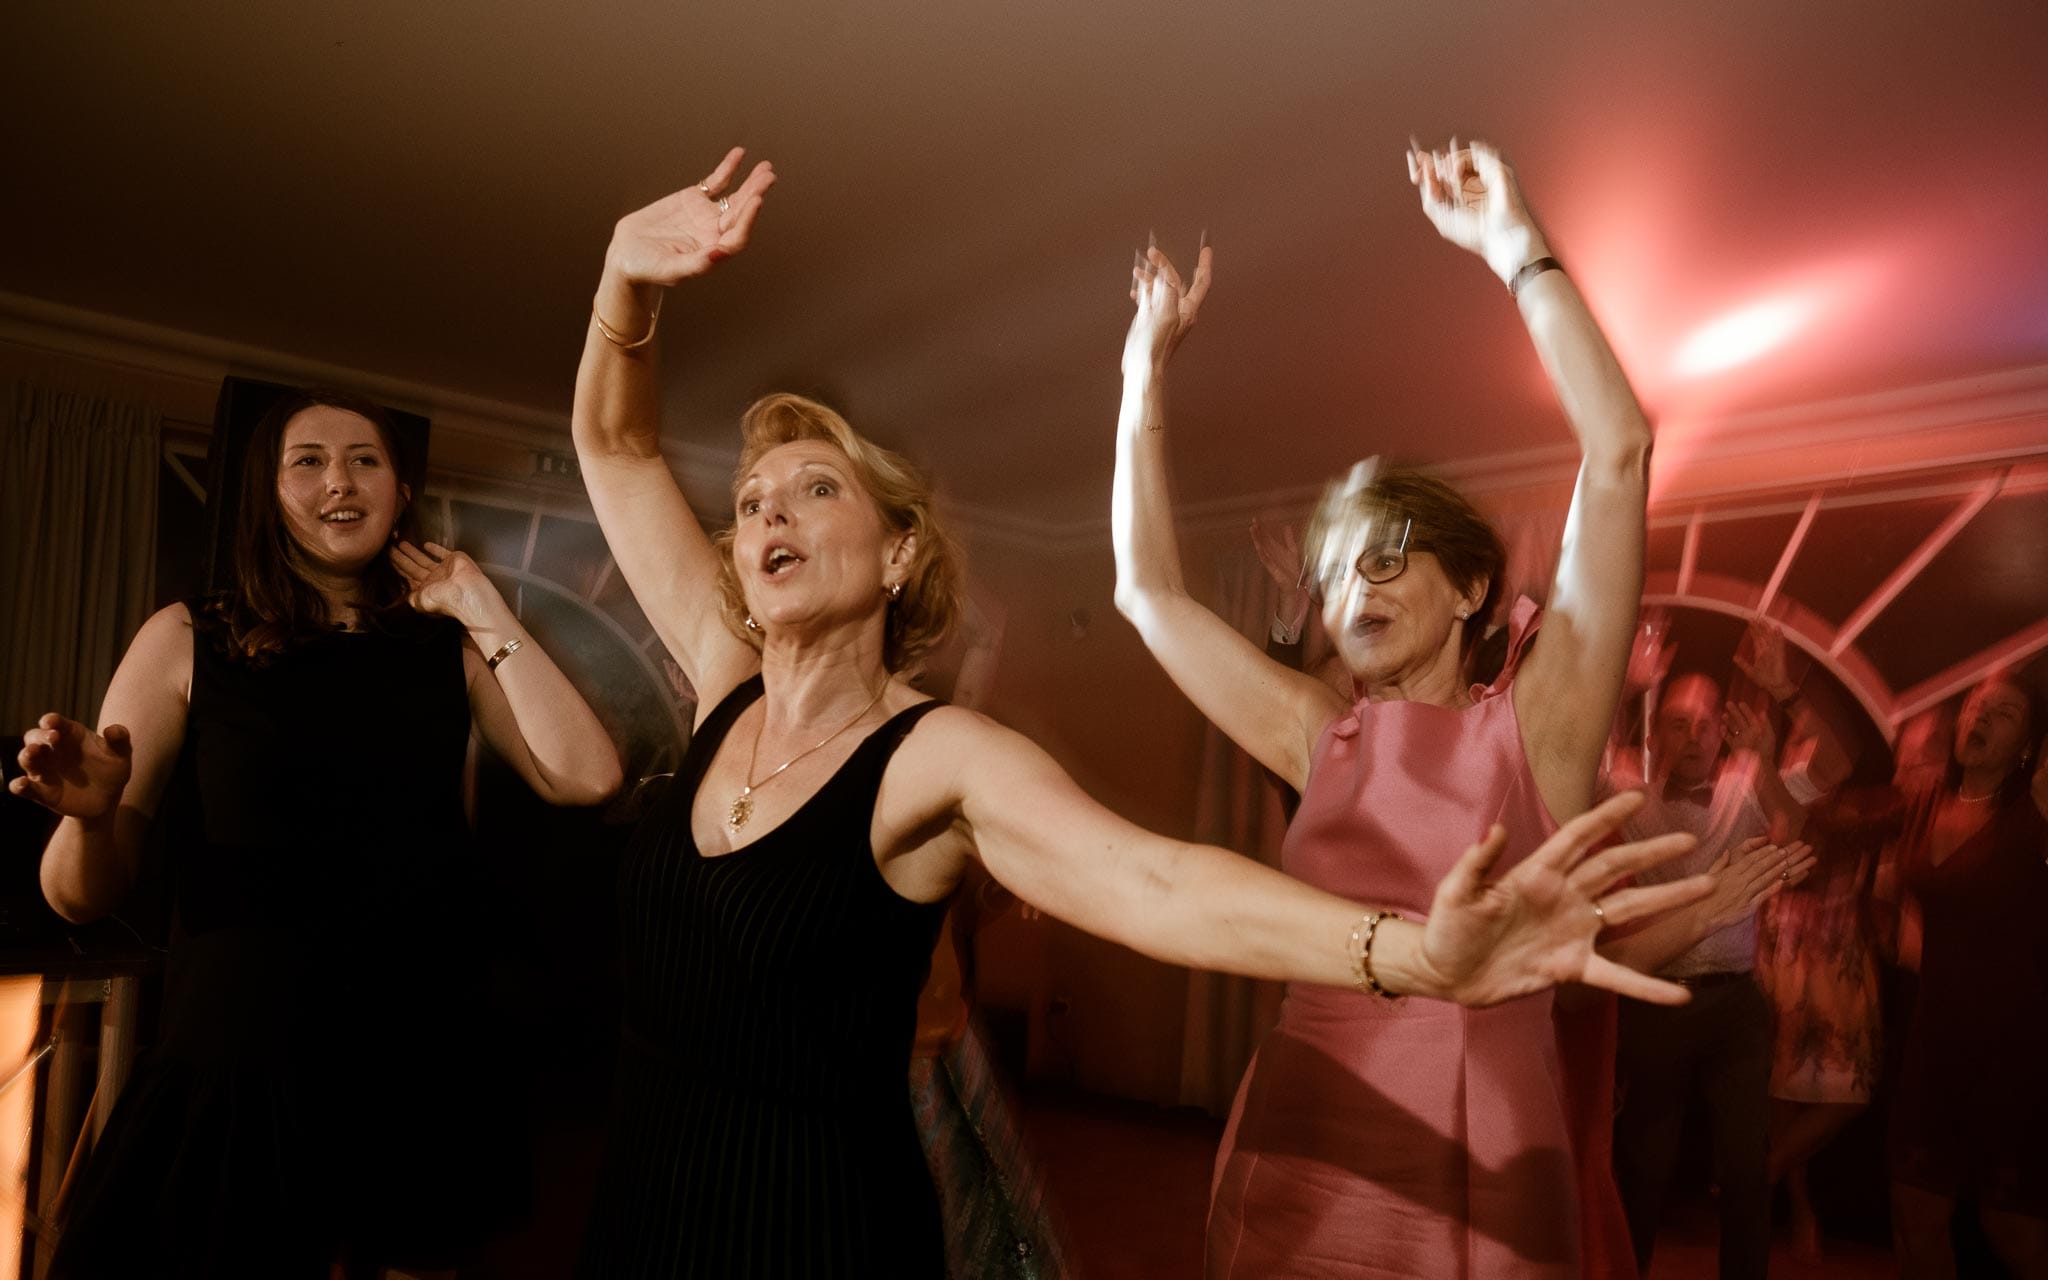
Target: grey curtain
[78,483]
[1239,808]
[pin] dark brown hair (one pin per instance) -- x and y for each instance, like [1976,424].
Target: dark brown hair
[273,606]
[1445,524]
[2017,788]
[930,603]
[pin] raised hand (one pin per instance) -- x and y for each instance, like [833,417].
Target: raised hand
[1766,666]
[1492,940]
[1750,730]
[70,770]
[447,582]
[1649,657]
[1745,876]
[1472,197]
[1279,551]
[1166,308]
[688,233]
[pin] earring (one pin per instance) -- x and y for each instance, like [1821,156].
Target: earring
[1464,614]
[895,591]
[751,624]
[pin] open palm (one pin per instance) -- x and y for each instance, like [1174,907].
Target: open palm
[689,232]
[1493,940]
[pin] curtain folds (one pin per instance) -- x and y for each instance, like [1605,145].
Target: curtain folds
[1239,807]
[78,486]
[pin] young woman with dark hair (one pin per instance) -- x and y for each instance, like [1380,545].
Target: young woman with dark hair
[299,745]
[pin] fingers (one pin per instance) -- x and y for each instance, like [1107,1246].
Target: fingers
[1742,853]
[759,179]
[411,562]
[715,183]
[31,789]
[1622,980]
[1792,875]
[116,738]
[1564,849]
[744,209]
[1165,267]
[1205,259]
[1596,874]
[1638,901]
[1470,870]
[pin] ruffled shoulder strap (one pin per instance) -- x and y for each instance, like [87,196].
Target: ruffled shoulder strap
[1523,620]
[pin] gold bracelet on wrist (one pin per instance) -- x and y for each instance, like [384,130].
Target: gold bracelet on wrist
[1362,935]
[505,651]
[611,335]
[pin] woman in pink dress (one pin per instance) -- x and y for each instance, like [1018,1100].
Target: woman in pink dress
[1398,1137]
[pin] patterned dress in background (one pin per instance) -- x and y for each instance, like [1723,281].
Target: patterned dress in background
[1817,958]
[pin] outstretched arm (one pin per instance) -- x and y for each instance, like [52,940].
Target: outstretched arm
[1485,940]
[663,552]
[106,785]
[1570,683]
[1269,710]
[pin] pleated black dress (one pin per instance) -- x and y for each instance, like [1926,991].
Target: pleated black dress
[762,1124]
[319,1087]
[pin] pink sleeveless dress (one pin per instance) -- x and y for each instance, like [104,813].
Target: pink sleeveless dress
[1411,1138]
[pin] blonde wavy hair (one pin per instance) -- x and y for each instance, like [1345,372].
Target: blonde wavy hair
[920,619]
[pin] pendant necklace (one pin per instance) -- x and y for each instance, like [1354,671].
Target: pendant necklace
[742,806]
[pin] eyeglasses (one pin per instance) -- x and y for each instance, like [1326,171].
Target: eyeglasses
[1386,562]
[1377,565]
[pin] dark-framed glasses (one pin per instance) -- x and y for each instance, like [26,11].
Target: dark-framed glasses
[1388,561]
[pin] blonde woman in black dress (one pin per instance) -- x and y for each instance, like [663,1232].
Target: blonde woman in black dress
[780,907]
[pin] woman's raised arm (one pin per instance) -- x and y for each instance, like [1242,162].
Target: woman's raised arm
[655,538]
[1271,711]
[1570,683]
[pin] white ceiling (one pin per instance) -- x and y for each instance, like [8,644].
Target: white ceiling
[424,192]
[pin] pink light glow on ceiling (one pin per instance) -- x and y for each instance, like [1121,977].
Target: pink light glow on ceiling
[1743,335]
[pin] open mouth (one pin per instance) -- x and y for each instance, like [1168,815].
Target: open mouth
[341,515]
[1367,627]
[779,561]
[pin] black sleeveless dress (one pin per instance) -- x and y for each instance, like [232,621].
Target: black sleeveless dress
[314,1091]
[762,1125]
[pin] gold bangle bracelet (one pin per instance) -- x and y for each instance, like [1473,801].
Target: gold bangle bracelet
[1362,935]
[611,335]
[505,651]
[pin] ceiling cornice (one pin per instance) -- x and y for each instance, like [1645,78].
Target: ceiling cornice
[2000,416]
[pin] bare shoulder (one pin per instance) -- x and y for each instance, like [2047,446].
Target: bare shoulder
[162,649]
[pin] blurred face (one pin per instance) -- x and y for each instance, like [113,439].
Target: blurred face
[1386,630]
[1992,729]
[1686,736]
[809,545]
[337,489]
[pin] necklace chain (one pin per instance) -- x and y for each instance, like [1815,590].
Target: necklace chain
[742,806]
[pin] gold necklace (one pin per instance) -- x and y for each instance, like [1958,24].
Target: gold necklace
[742,806]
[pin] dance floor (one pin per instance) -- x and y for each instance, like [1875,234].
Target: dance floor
[1131,1182]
